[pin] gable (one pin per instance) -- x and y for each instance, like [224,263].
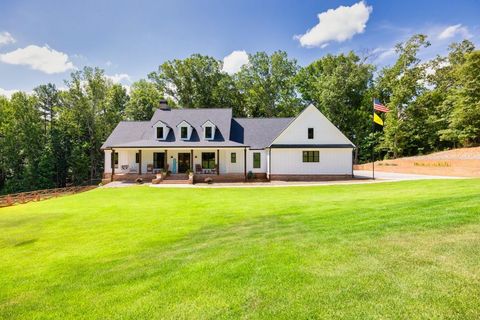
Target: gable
[325,133]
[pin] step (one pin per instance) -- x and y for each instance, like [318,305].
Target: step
[176,177]
[175,181]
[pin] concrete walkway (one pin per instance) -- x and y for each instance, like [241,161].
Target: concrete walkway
[361,177]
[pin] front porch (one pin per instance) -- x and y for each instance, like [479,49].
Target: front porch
[221,165]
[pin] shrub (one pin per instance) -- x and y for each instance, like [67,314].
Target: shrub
[250,175]
[139,180]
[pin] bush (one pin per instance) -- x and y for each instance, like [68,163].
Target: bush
[139,180]
[208,180]
[250,175]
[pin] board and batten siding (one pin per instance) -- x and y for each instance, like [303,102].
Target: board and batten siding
[324,131]
[332,162]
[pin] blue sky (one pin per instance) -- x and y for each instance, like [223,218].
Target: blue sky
[43,41]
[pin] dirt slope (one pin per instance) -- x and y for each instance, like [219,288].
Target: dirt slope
[458,162]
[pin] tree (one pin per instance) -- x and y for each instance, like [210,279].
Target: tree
[267,84]
[191,82]
[86,99]
[337,86]
[465,118]
[398,86]
[144,100]
[47,100]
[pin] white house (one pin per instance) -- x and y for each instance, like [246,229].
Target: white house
[212,143]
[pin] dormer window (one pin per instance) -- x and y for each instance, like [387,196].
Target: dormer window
[208,133]
[208,130]
[159,132]
[184,132]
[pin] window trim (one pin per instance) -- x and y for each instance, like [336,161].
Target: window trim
[233,157]
[257,163]
[312,131]
[310,156]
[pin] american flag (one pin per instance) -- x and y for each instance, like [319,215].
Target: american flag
[379,107]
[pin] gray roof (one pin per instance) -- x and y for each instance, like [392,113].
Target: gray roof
[256,133]
[259,133]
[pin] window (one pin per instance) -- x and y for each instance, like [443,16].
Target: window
[183,132]
[256,160]
[310,133]
[208,160]
[159,132]
[137,157]
[311,156]
[115,159]
[233,157]
[208,133]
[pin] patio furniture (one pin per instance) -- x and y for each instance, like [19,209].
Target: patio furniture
[124,167]
[198,168]
[149,167]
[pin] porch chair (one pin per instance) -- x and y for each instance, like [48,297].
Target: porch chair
[149,168]
[198,168]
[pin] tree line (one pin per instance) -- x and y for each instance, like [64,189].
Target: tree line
[52,137]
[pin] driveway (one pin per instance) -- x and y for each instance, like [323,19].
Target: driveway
[361,176]
[392,176]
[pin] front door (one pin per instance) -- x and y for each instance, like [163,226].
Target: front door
[183,162]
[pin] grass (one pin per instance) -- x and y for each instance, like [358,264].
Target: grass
[377,251]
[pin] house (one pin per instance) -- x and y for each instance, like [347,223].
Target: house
[212,143]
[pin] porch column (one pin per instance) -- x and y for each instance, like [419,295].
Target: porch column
[218,162]
[165,161]
[191,160]
[269,163]
[112,158]
[140,162]
[245,162]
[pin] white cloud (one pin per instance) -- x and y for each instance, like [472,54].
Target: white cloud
[234,61]
[452,31]
[7,93]
[338,24]
[6,38]
[43,59]
[119,77]
[383,54]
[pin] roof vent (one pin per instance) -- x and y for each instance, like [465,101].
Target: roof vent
[163,105]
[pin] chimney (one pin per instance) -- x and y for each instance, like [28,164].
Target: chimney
[163,105]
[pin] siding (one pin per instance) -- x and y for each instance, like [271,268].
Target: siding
[332,162]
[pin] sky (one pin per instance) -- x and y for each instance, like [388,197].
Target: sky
[44,41]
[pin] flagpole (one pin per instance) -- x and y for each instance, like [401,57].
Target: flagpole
[373,140]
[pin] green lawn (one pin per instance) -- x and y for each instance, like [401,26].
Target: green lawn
[376,251]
